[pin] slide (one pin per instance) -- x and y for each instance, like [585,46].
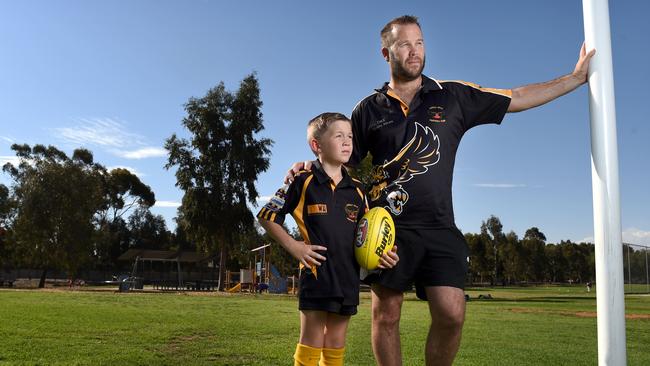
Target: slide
[236,288]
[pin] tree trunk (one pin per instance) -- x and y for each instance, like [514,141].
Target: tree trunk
[223,256]
[41,283]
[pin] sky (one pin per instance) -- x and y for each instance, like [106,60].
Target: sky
[114,76]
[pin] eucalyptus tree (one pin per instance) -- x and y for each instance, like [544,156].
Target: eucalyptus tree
[217,166]
[56,199]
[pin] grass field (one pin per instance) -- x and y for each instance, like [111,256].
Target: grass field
[519,326]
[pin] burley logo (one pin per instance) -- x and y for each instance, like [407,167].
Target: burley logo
[436,114]
[386,236]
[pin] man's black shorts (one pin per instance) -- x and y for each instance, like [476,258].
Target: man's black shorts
[328,304]
[427,257]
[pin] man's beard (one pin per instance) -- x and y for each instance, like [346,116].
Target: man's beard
[402,74]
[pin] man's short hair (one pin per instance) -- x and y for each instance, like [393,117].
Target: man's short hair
[386,31]
[318,125]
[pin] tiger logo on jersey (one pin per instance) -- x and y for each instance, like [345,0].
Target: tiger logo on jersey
[351,212]
[420,152]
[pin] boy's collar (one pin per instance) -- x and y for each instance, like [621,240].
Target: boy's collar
[322,177]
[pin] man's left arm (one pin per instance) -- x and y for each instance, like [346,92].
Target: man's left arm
[533,95]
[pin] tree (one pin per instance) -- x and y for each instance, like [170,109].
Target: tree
[512,258]
[218,166]
[148,231]
[534,234]
[57,198]
[112,239]
[494,229]
[556,263]
[536,261]
[479,266]
[6,210]
[121,191]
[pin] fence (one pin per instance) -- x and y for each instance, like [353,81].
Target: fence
[635,267]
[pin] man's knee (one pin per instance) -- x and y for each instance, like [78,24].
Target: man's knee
[386,307]
[447,307]
[449,319]
[386,317]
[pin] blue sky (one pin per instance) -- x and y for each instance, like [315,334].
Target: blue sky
[113,77]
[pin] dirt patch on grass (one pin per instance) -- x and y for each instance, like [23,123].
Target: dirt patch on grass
[579,314]
[184,341]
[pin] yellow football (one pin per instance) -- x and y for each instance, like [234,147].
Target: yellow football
[375,235]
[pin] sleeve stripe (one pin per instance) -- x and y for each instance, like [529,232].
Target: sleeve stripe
[360,193]
[502,92]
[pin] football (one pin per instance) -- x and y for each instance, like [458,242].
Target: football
[375,235]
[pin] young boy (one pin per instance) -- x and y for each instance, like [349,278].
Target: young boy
[326,203]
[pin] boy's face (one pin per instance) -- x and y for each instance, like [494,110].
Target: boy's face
[336,144]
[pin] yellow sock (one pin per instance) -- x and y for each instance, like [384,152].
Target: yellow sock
[332,357]
[306,356]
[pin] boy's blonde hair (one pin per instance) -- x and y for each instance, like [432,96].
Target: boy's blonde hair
[318,125]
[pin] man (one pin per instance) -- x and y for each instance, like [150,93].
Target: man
[412,127]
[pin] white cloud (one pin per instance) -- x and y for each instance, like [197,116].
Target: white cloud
[499,185]
[105,132]
[146,152]
[133,171]
[8,139]
[263,199]
[636,236]
[167,204]
[630,235]
[14,160]
[589,239]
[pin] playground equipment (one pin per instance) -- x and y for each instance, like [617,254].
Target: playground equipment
[264,277]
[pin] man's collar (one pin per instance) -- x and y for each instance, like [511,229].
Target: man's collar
[428,84]
[322,177]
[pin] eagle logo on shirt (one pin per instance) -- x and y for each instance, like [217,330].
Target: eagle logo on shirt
[420,152]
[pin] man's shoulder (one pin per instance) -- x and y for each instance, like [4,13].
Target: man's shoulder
[368,101]
[454,85]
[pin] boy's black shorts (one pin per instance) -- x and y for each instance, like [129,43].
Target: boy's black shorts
[328,304]
[427,257]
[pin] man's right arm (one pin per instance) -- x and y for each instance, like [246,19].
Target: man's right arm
[533,95]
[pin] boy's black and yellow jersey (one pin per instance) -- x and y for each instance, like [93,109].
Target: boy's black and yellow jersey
[326,215]
[414,146]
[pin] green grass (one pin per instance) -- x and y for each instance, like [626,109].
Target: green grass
[519,326]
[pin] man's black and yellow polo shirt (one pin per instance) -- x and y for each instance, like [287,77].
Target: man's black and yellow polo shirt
[414,146]
[326,215]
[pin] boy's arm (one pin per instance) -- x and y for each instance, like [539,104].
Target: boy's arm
[300,250]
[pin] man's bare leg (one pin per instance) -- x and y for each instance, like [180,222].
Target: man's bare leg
[386,310]
[447,308]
